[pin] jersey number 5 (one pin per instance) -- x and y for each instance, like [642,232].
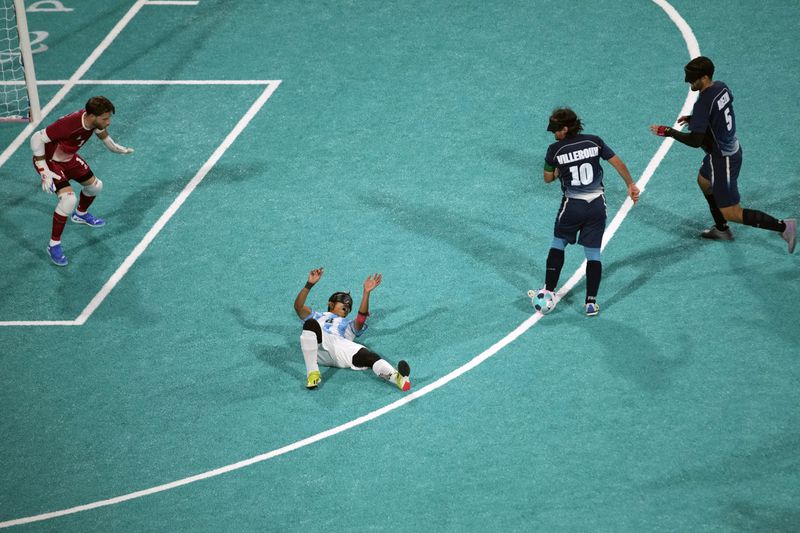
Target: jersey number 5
[728,118]
[582,175]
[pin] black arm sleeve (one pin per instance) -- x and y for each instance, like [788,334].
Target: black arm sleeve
[693,139]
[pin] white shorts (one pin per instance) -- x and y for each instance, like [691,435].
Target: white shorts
[337,352]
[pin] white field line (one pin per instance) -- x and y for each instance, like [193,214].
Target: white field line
[160,223]
[176,204]
[694,50]
[72,81]
[146,82]
[117,276]
[11,323]
[172,2]
[31,127]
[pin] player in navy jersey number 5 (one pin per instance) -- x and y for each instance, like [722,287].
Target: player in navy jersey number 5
[712,126]
[328,338]
[575,160]
[55,156]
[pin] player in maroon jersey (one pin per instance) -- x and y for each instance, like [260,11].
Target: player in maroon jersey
[55,156]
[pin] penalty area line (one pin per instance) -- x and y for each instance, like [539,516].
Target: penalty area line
[171,2]
[146,82]
[117,276]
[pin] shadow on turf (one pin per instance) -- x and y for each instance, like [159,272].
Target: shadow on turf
[760,473]
[460,231]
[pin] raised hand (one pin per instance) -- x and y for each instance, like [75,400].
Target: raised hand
[315,274]
[372,281]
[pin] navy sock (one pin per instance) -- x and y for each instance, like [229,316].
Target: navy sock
[555,262]
[719,219]
[594,272]
[759,219]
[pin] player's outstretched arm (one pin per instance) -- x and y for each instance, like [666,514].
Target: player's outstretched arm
[111,145]
[300,306]
[692,138]
[622,170]
[372,281]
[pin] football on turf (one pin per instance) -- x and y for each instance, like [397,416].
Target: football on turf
[543,300]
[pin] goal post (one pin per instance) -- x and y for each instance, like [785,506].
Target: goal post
[19,94]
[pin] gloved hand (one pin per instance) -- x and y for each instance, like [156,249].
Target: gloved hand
[661,131]
[48,177]
[124,150]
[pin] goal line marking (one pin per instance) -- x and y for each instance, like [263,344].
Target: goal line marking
[146,82]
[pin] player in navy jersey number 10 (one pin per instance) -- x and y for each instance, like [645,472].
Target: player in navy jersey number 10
[328,338]
[712,126]
[575,160]
[56,159]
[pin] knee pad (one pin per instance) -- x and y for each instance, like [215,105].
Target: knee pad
[592,254]
[365,358]
[66,204]
[313,325]
[93,189]
[558,243]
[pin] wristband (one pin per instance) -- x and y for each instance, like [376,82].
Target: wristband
[309,285]
[361,318]
[663,131]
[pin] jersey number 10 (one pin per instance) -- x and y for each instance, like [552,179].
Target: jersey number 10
[581,175]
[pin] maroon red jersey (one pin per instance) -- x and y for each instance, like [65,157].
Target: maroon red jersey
[66,135]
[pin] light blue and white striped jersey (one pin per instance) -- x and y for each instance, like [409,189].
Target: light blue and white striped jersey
[335,325]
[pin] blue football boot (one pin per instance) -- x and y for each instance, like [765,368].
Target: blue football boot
[88,219]
[57,255]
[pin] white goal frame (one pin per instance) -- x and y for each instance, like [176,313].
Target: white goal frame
[34,108]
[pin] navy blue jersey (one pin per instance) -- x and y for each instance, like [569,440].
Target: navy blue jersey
[713,115]
[578,162]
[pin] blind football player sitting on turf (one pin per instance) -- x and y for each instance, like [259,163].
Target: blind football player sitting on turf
[328,338]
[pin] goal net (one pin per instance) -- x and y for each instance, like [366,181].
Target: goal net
[19,99]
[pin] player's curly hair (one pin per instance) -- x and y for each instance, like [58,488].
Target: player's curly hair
[564,116]
[98,105]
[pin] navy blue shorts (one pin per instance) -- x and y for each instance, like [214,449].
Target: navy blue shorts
[588,218]
[723,173]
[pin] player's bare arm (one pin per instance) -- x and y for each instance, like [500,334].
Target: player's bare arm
[550,175]
[622,170]
[111,145]
[372,281]
[300,302]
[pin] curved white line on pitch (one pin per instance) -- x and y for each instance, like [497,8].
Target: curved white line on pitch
[694,50]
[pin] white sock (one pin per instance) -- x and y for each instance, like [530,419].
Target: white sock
[308,343]
[53,243]
[383,369]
